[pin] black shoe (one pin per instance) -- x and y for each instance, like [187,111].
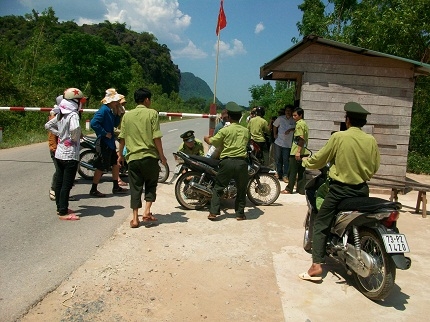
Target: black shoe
[119,190]
[243,217]
[96,193]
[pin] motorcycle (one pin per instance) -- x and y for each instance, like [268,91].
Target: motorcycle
[364,239]
[90,152]
[193,188]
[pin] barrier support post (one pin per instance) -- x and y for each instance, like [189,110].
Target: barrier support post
[212,121]
[1,134]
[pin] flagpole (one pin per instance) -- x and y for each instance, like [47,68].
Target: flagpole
[216,65]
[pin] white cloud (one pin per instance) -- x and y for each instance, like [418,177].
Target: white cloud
[259,28]
[190,51]
[236,48]
[160,17]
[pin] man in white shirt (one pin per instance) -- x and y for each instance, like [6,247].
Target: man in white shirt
[284,129]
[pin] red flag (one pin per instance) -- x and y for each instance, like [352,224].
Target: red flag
[222,21]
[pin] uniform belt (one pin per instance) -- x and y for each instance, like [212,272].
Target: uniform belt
[331,181]
[233,158]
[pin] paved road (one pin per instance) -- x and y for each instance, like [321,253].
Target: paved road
[38,251]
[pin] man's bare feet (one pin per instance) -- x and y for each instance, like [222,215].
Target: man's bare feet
[134,224]
[315,270]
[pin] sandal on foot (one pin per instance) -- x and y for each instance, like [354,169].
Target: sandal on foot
[150,217]
[306,277]
[212,216]
[285,192]
[241,217]
[122,183]
[71,216]
[52,195]
[133,225]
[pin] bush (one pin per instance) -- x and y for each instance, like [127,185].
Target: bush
[417,163]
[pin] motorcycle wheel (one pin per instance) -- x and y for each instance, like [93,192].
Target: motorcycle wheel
[265,190]
[164,172]
[186,197]
[86,156]
[378,285]
[307,236]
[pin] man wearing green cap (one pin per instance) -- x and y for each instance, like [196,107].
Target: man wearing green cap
[233,141]
[354,156]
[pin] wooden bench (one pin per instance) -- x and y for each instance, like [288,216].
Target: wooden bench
[405,186]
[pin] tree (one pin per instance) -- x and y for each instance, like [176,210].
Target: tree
[396,27]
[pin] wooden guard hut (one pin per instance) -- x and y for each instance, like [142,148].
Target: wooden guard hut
[329,74]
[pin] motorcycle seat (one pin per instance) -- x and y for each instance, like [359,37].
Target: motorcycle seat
[89,139]
[209,161]
[367,204]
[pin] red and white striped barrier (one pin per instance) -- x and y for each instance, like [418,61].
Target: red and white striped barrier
[48,109]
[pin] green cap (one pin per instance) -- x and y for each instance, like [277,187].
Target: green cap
[356,109]
[188,136]
[232,107]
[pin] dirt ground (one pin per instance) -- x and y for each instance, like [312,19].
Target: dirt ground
[188,268]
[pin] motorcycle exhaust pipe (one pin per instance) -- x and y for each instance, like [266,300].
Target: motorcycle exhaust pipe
[87,165]
[201,189]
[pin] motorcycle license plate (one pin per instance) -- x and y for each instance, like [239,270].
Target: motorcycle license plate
[395,243]
[178,169]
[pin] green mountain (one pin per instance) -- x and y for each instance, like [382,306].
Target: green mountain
[191,87]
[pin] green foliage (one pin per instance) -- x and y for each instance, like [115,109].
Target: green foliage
[40,57]
[272,99]
[194,87]
[418,163]
[396,27]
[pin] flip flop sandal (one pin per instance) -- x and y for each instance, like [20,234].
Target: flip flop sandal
[149,218]
[69,217]
[306,277]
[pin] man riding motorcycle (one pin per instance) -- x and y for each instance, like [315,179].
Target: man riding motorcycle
[355,158]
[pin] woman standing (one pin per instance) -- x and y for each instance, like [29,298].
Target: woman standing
[66,127]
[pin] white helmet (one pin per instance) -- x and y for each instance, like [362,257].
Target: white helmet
[73,93]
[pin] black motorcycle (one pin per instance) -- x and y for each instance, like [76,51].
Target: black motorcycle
[91,152]
[364,239]
[193,188]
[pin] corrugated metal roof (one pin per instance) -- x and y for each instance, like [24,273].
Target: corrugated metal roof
[420,68]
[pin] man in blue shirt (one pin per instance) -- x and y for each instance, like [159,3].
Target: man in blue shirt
[103,123]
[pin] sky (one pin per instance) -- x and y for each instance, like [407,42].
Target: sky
[257,31]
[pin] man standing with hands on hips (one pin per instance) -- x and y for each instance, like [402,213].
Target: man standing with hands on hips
[233,140]
[354,159]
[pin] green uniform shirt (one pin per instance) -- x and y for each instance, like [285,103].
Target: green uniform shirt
[233,139]
[301,130]
[139,128]
[196,150]
[257,126]
[354,156]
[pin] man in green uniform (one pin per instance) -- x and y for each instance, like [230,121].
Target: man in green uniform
[258,127]
[354,156]
[191,145]
[298,150]
[140,132]
[233,140]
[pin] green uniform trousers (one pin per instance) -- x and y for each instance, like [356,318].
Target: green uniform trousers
[323,220]
[143,173]
[230,168]
[296,169]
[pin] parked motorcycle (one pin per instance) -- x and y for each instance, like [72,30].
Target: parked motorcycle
[364,238]
[90,152]
[193,188]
